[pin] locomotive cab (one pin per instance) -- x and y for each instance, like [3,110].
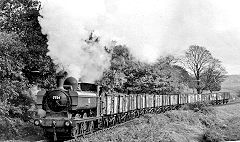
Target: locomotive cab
[84,97]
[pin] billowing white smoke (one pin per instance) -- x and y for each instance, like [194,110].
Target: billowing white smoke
[150,28]
[68,24]
[68,29]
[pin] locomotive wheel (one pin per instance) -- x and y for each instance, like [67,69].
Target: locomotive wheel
[82,128]
[99,124]
[138,114]
[114,120]
[119,119]
[91,126]
[75,131]
[105,122]
[85,126]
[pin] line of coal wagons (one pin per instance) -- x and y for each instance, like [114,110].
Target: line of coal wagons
[144,103]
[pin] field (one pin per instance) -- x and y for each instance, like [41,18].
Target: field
[230,111]
[230,117]
[232,84]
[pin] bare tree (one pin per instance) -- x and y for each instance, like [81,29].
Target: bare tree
[213,76]
[197,59]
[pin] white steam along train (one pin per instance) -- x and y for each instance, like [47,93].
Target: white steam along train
[75,109]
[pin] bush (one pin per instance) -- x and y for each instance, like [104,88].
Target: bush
[8,128]
[202,107]
[229,130]
[30,131]
[187,117]
[11,129]
[212,135]
[171,136]
[232,129]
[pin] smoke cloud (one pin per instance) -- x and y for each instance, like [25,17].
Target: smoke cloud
[68,31]
[69,23]
[149,28]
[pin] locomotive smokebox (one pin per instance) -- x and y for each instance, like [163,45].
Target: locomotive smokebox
[60,77]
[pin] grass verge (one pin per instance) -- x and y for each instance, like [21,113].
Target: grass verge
[194,123]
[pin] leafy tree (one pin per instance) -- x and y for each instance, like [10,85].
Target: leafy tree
[171,75]
[137,77]
[197,59]
[13,99]
[126,73]
[114,78]
[11,56]
[183,75]
[213,76]
[21,17]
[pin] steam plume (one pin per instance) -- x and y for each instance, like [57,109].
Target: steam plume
[69,23]
[67,32]
[150,28]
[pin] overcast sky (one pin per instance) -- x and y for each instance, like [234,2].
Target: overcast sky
[214,24]
[153,28]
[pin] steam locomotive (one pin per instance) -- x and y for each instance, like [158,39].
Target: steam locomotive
[74,109]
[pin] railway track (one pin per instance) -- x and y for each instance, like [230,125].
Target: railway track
[229,103]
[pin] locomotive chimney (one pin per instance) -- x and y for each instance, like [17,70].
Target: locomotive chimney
[60,77]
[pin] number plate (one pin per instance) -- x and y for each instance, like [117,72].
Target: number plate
[56,97]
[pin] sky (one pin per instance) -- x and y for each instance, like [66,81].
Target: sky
[150,28]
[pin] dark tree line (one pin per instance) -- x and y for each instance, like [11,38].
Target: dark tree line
[23,49]
[20,18]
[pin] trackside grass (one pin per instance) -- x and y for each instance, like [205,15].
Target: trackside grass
[189,124]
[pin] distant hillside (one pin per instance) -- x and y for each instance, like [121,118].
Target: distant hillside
[232,81]
[232,84]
